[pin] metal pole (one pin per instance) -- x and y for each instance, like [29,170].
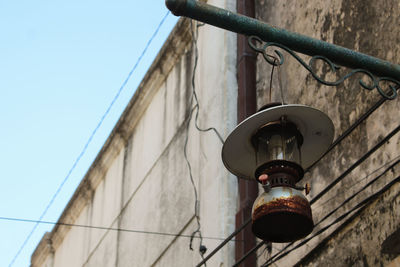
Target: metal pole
[303,44]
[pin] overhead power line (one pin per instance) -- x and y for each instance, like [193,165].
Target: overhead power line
[89,140]
[345,134]
[362,204]
[397,161]
[277,255]
[355,165]
[107,228]
[358,181]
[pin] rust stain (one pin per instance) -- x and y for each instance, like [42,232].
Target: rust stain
[293,204]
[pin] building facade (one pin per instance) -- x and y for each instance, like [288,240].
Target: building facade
[140,180]
[160,178]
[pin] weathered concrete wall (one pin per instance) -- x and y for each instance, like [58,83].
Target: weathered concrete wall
[140,180]
[370,27]
[358,243]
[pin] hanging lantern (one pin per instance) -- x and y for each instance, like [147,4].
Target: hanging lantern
[274,146]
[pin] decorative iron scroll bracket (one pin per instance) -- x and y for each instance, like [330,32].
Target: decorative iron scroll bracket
[390,93]
[377,70]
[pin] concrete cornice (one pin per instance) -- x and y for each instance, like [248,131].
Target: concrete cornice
[175,46]
[44,248]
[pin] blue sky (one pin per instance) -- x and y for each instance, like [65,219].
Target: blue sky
[61,64]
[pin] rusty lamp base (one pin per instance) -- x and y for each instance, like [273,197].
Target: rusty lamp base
[282,227]
[282,215]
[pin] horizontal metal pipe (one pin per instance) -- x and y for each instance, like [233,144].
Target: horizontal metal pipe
[303,44]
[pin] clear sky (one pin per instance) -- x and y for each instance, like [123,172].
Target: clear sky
[61,64]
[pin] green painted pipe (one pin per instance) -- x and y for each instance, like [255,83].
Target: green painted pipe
[303,44]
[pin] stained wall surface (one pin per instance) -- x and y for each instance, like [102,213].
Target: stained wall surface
[370,27]
[140,181]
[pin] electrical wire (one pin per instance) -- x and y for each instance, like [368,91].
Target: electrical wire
[397,161]
[330,213]
[223,243]
[334,144]
[349,130]
[340,218]
[358,192]
[339,140]
[356,164]
[197,203]
[90,139]
[357,182]
[251,251]
[196,108]
[194,93]
[343,136]
[351,197]
[106,228]
[267,249]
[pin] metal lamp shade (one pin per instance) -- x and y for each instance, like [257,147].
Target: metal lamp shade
[316,128]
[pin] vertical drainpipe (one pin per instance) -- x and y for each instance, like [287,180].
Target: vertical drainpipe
[246,106]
